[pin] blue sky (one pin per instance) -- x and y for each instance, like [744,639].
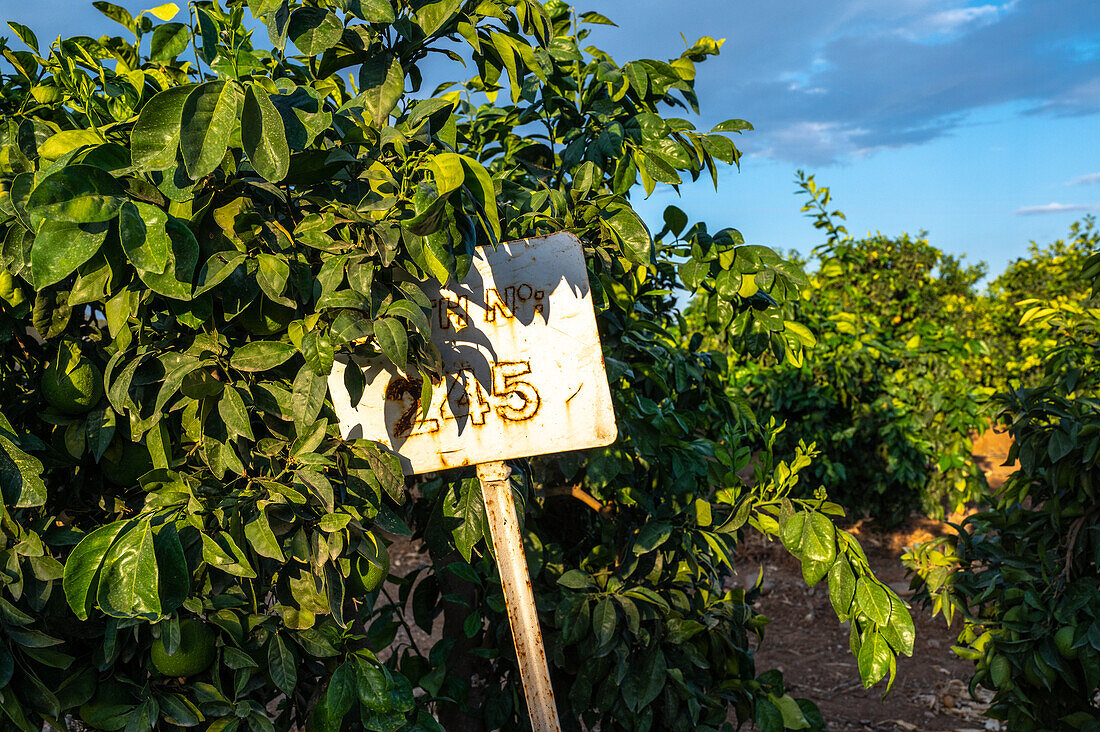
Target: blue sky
[976,121]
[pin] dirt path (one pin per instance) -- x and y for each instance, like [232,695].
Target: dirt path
[805,642]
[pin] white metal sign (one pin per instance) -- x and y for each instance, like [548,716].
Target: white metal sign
[524,368]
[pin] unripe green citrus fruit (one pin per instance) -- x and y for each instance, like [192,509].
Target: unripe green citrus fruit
[194,655]
[1063,641]
[366,576]
[74,392]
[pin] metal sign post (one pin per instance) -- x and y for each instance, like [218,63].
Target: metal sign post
[524,376]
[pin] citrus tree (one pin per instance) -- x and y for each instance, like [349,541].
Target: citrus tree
[892,390]
[191,234]
[1022,572]
[1050,275]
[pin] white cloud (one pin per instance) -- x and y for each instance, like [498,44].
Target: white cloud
[1053,208]
[1085,180]
[816,143]
[952,21]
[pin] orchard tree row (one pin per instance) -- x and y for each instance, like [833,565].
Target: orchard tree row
[194,226]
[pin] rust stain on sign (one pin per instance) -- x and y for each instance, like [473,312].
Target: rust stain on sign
[524,372]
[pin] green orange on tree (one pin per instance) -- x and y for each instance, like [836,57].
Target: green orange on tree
[72,384]
[194,654]
[367,575]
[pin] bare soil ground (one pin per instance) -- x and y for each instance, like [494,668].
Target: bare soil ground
[805,642]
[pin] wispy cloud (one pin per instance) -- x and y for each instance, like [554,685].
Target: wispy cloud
[954,20]
[1053,208]
[1085,180]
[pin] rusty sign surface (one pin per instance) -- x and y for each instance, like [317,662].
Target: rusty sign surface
[524,368]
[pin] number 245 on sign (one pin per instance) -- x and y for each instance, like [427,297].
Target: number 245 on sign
[513,399]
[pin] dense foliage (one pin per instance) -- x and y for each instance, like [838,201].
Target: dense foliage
[889,393]
[186,540]
[1023,572]
[1050,275]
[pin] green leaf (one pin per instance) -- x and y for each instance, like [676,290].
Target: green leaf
[318,351]
[448,172]
[433,15]
[101,430]
[263,134]
[373,687]
[872,600]
[118,14]
[263,7]
[307,397]
[60,247]
[801,332]
[596,18]
[261,355]
[262,539]
[874,659]
[382,82]
[372,11]
[168,237]
[82,567]
[576,579]
[818,538]
[167,11]
[603,620]
[282,664]
[142,229]
[25,34]
[628,227]
[314,31]
[693,273]
[233,412]
[393,341]
[386,467]
[21,484]
[66,141]
[791,532]
[209,117]
[768,717]
[411,312]
[175,579]
[128,584]
[330,523]
[481,186]
[788,708]
[208,32]
[156,135]
[77,194]
[902,633]
[169,40]
[340,695]
[471,510]
[651,536]
[732,125]
[219,550]
[842,587]
[217,269]
[144,717]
